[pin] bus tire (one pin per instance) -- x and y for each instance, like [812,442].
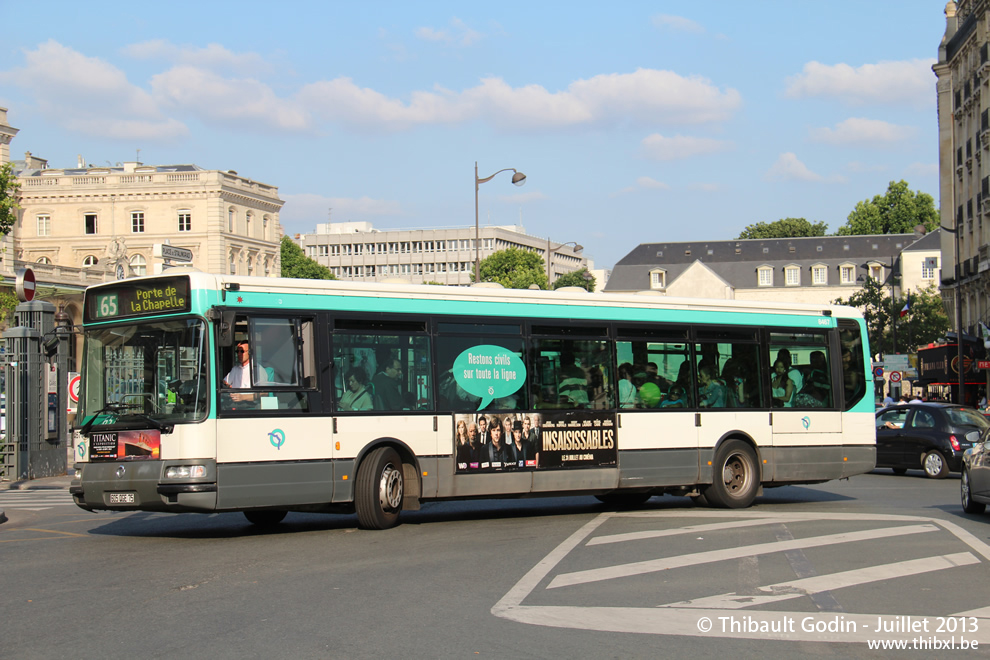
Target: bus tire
[265,517]
[735,476]
[379,489]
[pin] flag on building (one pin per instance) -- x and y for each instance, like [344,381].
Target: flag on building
[907,307]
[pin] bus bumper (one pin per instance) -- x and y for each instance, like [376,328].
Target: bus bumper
[142,486]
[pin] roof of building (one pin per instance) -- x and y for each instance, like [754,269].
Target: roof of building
[737,261]
[19,169]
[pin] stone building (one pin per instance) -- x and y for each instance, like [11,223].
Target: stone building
[815,270]
[356,251]
[963,72]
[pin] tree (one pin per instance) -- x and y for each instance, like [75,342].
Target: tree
[296,264]
[898,211]
[924,322]
[9,187]
[514,268]
[581,278]
[784,228]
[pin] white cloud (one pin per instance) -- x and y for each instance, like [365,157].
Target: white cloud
[645,96]
[91,96]
[213,56]
[789,168]
[859,131]
[906,81]
[460,35]
[220,100]
[658,147]
[677,23]
[651,184]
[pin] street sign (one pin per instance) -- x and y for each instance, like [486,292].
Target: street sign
[74,381]
[24,285]
[172,253]
[878,372]
[895,376]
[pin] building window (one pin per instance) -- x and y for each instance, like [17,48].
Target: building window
[928,268]
[90,221]
[264,227]
[819,274]
[876,272]
[322,250]
[334,250]
[847,274]
[792,276]
[44,225]
[137,222]
[230,221]
[765,276]
[89,260]
[658,279]
[247,224]
[185,221]
[138,265]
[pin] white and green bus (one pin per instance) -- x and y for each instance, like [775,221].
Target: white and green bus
[211,393]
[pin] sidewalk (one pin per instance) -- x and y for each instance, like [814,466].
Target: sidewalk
[46,483]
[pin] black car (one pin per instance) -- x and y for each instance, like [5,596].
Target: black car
[930,436]
[974,484]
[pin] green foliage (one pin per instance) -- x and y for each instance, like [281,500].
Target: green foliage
[8,302]
[8,198]
[296,264]
[784,228]
[925,322]
[581,278]
[514,268]
[898,211]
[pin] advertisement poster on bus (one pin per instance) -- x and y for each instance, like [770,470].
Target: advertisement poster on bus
[493,442]
[130,445]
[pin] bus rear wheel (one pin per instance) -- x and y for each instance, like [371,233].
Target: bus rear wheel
[379,490]
[735,476]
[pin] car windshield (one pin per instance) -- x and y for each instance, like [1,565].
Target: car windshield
[145,372]
[966,417]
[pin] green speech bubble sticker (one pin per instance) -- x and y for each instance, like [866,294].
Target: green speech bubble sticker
[490,372]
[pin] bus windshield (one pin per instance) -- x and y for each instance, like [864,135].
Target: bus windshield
[155,371]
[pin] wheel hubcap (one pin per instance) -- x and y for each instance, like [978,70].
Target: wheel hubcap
[734,474]
[964,488]
[390,488]
[933,463]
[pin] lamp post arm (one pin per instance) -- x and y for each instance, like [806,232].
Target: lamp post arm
[478,181]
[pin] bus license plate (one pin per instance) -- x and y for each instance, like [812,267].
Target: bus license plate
[121,498]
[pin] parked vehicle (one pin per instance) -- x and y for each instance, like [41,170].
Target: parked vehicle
[974,483]
[929,436]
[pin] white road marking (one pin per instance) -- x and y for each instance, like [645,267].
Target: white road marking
[798,588]
[686,621]
[653,565]
[693,529]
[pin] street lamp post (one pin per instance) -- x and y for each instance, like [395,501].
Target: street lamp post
[518,178]
[577,249]
[961,397]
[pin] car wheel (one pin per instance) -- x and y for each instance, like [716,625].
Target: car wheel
[934,464]
[966,495]
[899,470]
[736,476]
[378,489]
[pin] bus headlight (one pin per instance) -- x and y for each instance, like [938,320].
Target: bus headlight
[185,471]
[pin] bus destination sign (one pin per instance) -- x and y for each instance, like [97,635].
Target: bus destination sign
[136,298]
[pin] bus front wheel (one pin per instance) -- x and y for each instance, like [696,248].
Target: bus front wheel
[735,476]
[379,489]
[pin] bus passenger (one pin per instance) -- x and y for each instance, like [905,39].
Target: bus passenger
[711,393]
[628,396]
[675,398]
[358,396]
[386,384]
[781,386]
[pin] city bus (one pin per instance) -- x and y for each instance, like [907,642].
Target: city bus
[213,393]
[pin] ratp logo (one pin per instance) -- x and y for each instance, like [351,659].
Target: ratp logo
[277,438]
[81,448]
[806,422]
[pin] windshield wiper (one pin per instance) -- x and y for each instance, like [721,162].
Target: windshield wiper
[117,408]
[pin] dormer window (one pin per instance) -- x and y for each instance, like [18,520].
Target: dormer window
[764,276]
[819,274]
[792,275]
[658,279]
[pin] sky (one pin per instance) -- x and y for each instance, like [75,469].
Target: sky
[634,122]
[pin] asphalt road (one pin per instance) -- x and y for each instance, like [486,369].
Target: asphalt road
[540,578]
